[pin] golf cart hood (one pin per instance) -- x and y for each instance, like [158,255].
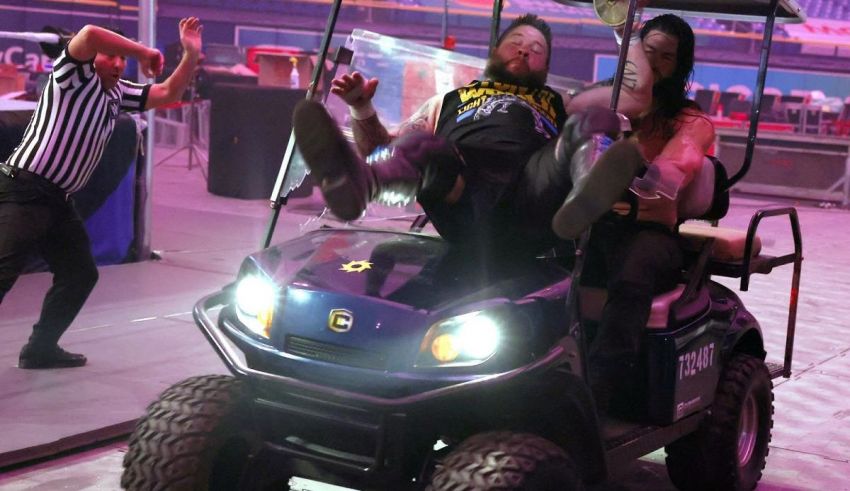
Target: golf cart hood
[353,306]
[413,272]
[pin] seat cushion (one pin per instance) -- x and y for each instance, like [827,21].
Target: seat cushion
[592,300]
[706,197]
[729,243]
[661,307]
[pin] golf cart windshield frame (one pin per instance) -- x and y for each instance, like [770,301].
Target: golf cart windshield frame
[787,11]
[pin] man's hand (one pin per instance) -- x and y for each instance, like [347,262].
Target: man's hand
[660,179]
[151,62]
[190,35]
[171,89]
[354,89]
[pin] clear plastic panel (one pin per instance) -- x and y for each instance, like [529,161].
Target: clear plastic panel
[410,73]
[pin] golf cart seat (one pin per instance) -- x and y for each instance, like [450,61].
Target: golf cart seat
[592,300]
[706,198]
[728,247]
[724,251]
[729,244]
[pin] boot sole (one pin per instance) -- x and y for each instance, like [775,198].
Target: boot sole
[42,365]
[604,184]
[329,157]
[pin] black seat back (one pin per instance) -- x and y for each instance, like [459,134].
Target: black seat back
[707,195]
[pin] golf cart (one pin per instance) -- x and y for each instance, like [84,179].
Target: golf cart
[382,359]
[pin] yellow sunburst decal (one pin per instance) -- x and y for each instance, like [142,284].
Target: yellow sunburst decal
[356,266]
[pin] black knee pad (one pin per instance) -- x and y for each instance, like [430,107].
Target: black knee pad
[438,160]
[596,120]
[581,126]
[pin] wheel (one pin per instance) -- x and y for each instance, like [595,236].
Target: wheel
[194,437]
[505,460]
[729,449]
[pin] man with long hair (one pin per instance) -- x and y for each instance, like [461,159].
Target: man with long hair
[639,255]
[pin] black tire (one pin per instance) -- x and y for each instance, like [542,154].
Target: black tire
[194,437]
[505,460]
[729,449]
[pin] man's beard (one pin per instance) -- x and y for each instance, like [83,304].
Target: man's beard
[497,70]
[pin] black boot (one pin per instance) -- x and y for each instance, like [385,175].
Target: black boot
[419,164]
[613,383]
[35,356]
[596,185]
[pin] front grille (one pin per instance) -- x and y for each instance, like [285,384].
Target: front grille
[333,353]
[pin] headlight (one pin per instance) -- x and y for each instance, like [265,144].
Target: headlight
[256,298]
[465,340]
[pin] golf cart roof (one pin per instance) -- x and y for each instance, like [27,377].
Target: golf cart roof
[788,11]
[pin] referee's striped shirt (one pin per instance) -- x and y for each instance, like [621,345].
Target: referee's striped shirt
[73,121]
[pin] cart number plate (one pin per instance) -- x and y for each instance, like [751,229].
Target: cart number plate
[695,361]
[303,484]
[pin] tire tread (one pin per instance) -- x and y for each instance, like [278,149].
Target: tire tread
[167,448]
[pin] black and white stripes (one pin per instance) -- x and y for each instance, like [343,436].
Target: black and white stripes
[74,119]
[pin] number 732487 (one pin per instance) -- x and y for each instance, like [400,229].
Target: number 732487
[695,361]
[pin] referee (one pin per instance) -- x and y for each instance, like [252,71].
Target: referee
[63,143]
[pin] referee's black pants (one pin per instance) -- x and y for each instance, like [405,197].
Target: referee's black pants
[36,217]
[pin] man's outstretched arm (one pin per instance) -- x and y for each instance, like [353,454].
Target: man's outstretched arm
[683,155]
[357,92]
[172,88]
[369,132]
[91,40]
[636,88]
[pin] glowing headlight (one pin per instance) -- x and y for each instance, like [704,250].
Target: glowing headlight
[465,340]
[255,303]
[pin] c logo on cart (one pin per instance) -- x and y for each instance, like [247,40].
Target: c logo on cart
[340,320]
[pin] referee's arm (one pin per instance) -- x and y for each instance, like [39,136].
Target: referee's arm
[91,40]
[172,88]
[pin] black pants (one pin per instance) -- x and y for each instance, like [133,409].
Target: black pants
[35,217]
[635,261]
[508,201]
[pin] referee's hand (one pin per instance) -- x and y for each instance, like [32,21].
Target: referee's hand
[151,63]
[190,35]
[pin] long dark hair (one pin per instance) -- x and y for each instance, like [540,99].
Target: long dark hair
[670,95]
